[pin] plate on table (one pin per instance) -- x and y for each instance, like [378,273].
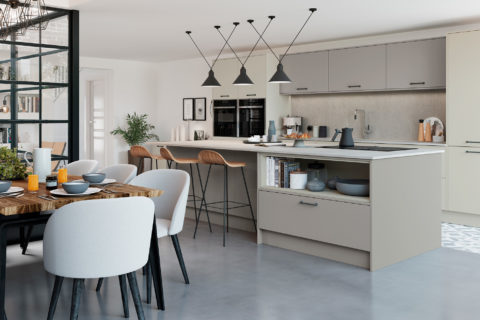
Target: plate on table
[12,190]
[104,182]
[63,193]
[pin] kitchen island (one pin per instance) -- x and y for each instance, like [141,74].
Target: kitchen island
[398,220]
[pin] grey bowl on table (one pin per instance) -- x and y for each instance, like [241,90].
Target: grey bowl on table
[354,187]
[75,187]
[94,177]
[5,185]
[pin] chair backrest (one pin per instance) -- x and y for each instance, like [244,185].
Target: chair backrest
[77,168]
[166,154]
[173,202]
[123,173]
[211,157]
[140,152]
[98,238]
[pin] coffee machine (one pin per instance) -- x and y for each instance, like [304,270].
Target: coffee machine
[291,125]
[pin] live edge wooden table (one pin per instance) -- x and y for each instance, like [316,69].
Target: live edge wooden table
[30,210]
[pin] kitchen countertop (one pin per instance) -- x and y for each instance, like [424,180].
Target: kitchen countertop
[310,150]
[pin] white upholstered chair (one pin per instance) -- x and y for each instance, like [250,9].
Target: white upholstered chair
[77,168]
[76,246]
[123,173]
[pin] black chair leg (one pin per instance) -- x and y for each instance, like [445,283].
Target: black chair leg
[149,283]
[248,197]
[225,204]
[57,287]
[123,289]
[76,295]
[132,280]
[204,201]
[27,239]
[178,251]
[99,284]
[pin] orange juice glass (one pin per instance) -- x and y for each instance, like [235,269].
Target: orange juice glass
[62,175]
[33,183]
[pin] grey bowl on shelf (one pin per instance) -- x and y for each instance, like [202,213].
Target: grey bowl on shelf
[75,187]
[5,185]
[94,177]
[354,187]
[332,183]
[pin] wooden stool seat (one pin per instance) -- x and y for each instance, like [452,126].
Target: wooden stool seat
[143,153]
[167,155]
[213,157]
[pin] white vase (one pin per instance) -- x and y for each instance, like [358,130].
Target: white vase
[42,162]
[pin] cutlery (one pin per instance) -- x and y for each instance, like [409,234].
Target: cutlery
[44,198]
[12,195]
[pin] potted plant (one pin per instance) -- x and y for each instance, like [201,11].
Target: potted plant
[11,167]
[138,131]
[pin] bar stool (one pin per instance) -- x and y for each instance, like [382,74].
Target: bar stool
[167,155]
[214,158]
[143,153]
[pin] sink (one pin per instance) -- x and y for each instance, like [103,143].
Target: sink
[370,148]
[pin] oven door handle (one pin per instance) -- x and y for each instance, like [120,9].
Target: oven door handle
[219,108]
[251,107]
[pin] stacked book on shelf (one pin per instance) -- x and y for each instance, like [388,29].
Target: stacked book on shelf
[28,103]
[278,171]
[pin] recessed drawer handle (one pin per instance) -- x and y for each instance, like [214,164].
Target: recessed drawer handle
[355,86]
[470,151]
[251,95]
[302,89]
[312,204]
[225,96]
[417,83]
[471,141]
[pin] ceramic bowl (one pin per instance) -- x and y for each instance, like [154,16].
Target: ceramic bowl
[354,187]
[5,185]
[332,183]
[94,177]
[75,187]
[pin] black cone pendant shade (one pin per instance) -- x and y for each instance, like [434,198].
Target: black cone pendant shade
[211,81]
[243,79]
[280,76]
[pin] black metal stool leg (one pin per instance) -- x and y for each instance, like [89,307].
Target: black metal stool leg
[204,189]
[193,190]
[203,202]
[226,193]
[225,204]
[99,284]
[248,197]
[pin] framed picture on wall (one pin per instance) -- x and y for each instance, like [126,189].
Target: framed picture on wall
[200,109]
[188,109]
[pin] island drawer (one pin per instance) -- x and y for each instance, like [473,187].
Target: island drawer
[335,222]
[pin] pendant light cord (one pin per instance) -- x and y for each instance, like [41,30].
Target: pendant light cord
[218,29]
[312,11]
[225,44]
[261,36]
[189,34]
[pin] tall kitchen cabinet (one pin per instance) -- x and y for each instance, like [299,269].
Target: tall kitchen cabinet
[260,69]
[463,114]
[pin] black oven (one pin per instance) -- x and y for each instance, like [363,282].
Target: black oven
[225,118]
[251,113]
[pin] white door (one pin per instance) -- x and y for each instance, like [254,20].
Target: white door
[96,121]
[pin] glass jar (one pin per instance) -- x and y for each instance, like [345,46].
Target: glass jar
[51,182]
[317,170]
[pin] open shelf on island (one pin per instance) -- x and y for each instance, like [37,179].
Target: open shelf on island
[327,194]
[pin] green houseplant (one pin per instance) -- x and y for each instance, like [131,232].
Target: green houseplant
[11,167]
[138,130]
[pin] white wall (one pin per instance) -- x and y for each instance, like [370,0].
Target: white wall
[178,80]
[133,88]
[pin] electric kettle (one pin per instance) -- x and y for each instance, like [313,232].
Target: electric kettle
[346,140]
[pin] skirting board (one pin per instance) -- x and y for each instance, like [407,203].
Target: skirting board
[319,249]
[467,219]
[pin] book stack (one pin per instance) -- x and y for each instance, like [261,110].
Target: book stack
[278,171]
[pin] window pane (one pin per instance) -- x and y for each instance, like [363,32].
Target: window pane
[55,67]
[55,136]
[28,103]
[55,104]
[5,134]
[27,135]
[56,32]
[27,68]
[5,105]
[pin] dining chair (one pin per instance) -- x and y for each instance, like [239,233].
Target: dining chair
[169,210]
[77,168]
[122,173]
[76,246]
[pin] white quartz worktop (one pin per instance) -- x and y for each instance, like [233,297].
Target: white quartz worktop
[311,149]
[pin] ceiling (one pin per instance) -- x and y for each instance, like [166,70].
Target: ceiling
[154,30]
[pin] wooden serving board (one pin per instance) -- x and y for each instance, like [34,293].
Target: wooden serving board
[30,202]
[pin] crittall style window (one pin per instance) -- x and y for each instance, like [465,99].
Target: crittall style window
[39,73]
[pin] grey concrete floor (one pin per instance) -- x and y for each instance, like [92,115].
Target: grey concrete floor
[246,281]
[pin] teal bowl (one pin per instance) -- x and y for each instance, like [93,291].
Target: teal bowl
[75,187]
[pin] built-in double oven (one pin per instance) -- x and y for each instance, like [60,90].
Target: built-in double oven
[238,118]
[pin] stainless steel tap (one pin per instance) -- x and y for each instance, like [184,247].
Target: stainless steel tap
[367,129]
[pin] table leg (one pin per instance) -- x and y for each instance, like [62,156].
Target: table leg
[154,260]
[3,262]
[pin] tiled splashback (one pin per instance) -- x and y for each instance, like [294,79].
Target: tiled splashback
[392,115]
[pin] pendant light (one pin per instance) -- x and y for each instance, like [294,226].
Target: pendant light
[211,81]
[13,15]
[36,10]
[280,76]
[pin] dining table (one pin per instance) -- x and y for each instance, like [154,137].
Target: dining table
[32,208]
